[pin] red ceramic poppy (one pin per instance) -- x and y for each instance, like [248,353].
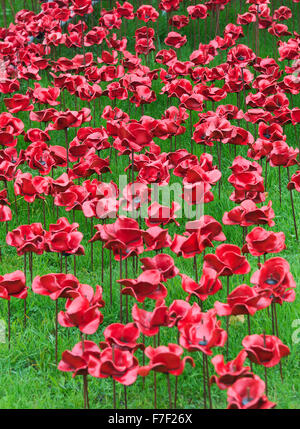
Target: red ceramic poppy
[124,237]
[248,214]
[147,285]
[242,300]
[64,238]
[149,322]
[165,359]
[55,285]
[163,263]
[230,372]
[156,238]
[275,280]
[203,334]
[209,284]
[123,337]
[77,359]
[266,350]
[27,238]
[82,311]
[13,285]
[260,242]
[119,364]
[248,393]
[227,261]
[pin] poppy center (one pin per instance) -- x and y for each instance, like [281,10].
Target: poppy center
[240,58]
[271,281]
[246,400]
[267,135]
[203,342]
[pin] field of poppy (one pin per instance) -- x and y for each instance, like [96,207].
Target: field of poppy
[145,300]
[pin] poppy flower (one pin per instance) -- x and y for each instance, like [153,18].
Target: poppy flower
[177,311]
[82,312]
[208,229]
[295,182]
[64,238]
[123,337]
[187,245]
[162,262]
[248,393]
[179,21]
[27,238]
[123,236]
[165,359]
[227,261]
[13,284]
[209,285]
[275,280]
[230,372]
[77,359]
[175,40]
[18,103]
[30,187]
[5,213]
[260,242]
[282,154]
[248,214]
[149,322]
[156,238]
[81,7]
[266,350]
[161,215]
[202,335]
[119,364]
[154,172]
[147,285]
[242,300]
[241,55]
[147,13]
[55,285]
[198,11]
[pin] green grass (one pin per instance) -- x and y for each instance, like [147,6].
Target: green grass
[28,374]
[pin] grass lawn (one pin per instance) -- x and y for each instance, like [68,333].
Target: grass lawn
[29,377]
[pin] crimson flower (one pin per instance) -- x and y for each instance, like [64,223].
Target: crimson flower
[55,285]
[295,181]
[156,238]
[175,40]
[82,311]
[163,263]
[63,237]
[30,187]
[147,285]
[149,322]
[124,237]
[260,242]
[123,337]
[227,261]
[266,350]
[248,393]
[242,300]
[203,333]
[161,215]
[165,359]
[248,214]
[275,280]
[230,372]
[13,284]
[119,364]
[77,359]
[27,238]
[209,284]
